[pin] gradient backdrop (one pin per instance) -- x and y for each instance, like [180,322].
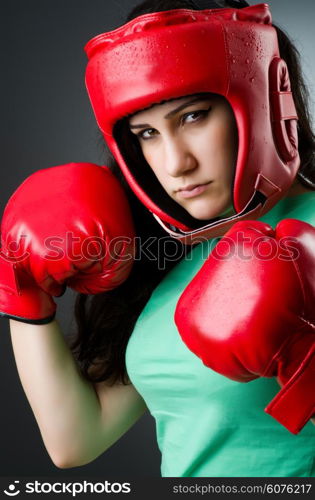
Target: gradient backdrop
[46,121]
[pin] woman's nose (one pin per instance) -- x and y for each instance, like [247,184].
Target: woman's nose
[179,157]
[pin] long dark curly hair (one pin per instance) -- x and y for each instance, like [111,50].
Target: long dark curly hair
[106,321]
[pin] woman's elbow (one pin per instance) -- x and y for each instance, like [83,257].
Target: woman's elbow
[68,461]
[65,462]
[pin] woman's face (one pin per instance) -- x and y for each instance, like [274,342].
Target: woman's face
[191,145]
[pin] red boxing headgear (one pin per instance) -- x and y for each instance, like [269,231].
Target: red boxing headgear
[231,52]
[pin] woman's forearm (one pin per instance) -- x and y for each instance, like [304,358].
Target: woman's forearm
[65,405]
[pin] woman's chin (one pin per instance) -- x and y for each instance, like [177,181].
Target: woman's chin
[207,213]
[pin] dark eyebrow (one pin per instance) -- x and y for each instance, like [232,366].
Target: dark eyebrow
[174,111]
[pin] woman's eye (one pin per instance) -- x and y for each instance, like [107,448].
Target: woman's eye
[191,117]
[194,116]
[146,134]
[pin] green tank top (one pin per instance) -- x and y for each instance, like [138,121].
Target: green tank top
[208,425]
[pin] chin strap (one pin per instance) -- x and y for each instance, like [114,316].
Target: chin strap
[218,227]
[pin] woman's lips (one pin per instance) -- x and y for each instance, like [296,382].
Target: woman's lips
[192,190]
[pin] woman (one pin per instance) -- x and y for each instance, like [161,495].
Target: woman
[178,390]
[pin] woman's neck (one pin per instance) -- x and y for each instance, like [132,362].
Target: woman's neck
[297,188]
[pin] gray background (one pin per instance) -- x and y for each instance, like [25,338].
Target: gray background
[46,120]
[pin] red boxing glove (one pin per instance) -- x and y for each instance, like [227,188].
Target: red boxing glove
[249,312]
[68,225]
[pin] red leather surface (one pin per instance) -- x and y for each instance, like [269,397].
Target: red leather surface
[249,312]
[231,52]
[66,225]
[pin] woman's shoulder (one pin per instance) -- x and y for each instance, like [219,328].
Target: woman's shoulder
[299,203]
